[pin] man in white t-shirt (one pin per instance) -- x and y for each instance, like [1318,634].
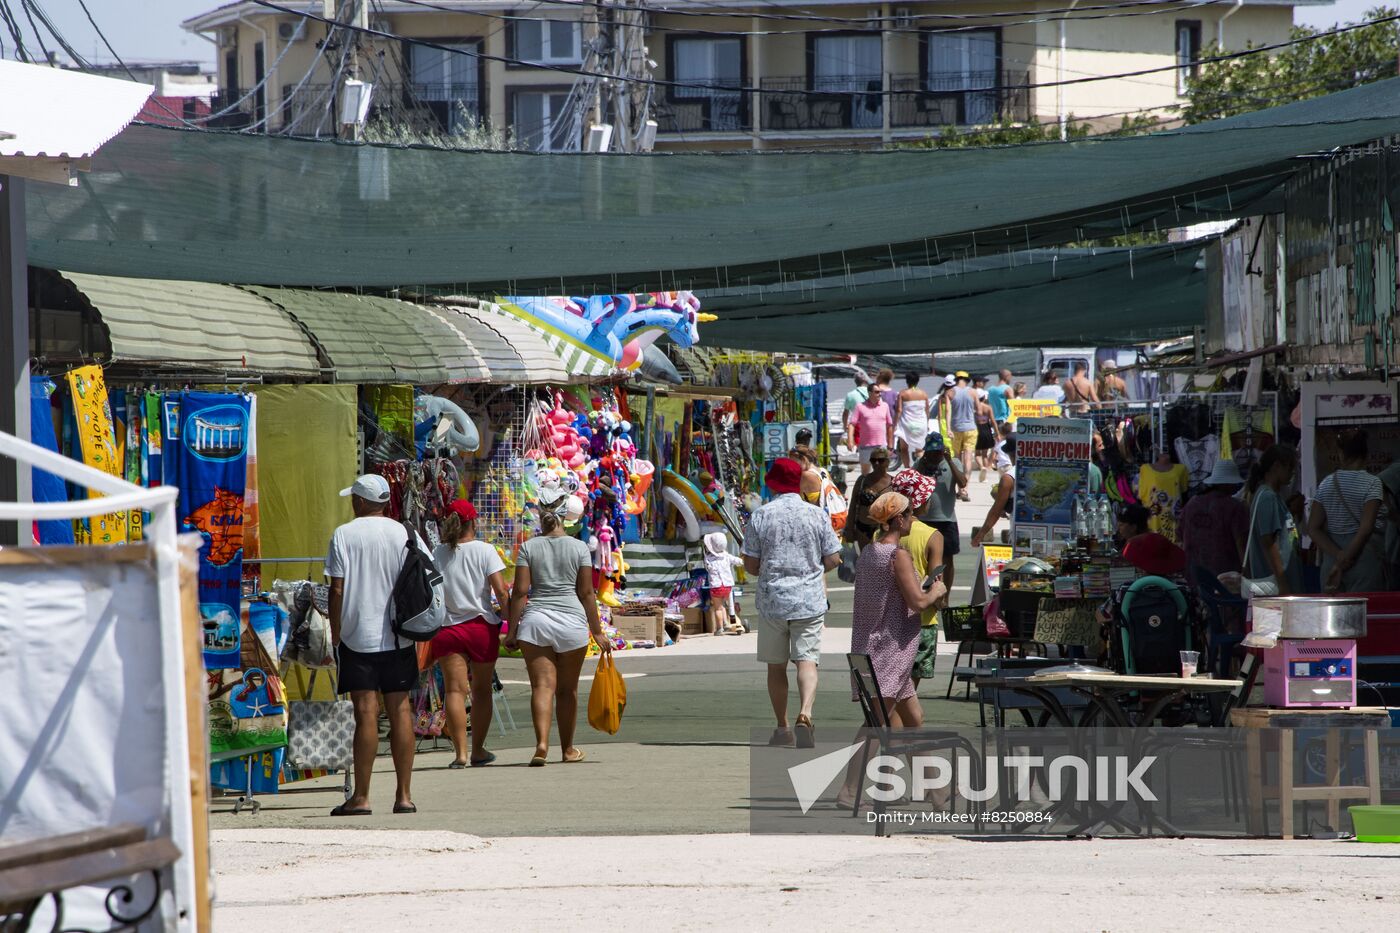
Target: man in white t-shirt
[363,564]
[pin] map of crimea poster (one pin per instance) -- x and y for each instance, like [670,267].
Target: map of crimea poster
[1052,467]
[213,450]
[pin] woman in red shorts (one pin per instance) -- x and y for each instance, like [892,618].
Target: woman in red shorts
[467,647]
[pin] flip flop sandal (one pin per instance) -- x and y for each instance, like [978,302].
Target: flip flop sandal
[343,810]
[576,759]
[483,762]
[805,734]
[538,761]
[456,766]
[405,808]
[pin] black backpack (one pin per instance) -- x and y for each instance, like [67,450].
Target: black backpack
[420,608]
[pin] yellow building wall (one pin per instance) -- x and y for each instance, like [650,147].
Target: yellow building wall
[1030,51]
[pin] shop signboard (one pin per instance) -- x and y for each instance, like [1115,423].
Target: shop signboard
[1031,408]
[994,557]
[1052,466]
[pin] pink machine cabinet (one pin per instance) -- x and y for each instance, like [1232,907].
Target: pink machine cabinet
[1310,673]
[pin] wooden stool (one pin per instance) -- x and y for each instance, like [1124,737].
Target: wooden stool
[1286,721]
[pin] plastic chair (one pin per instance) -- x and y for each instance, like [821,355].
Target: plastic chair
[1220,644]
[889,739]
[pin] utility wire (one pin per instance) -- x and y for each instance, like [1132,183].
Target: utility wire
[29,15]
[845,25]
[861,22]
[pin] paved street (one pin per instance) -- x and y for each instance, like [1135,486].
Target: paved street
[683,743]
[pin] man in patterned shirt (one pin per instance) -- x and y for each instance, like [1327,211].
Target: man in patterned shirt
[789,546]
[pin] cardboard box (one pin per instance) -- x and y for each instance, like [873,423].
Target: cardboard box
[640,628]
[693,621]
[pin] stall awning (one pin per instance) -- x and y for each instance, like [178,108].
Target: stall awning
[547,358]
[370,339]
[52,120]
[198,324]
[174,203]
[510,354]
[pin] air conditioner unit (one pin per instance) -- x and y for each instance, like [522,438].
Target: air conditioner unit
[291,32]
[903,17]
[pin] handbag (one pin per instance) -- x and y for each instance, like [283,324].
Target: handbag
[429,710]
[1255,586]
[320,733]
[846,570]
[607,698]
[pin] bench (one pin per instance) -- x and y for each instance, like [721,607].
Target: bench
[32,872]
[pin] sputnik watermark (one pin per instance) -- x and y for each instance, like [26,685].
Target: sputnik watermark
[1115,778]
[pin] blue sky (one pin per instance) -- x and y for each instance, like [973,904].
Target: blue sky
[149,30]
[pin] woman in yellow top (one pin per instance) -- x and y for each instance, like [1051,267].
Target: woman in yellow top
[811,487]
[925,545]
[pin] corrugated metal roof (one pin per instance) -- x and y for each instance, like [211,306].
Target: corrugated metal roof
[541,363]
[379,339]
[57,113]
[196,323]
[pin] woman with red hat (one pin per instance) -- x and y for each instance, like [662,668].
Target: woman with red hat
[467,647]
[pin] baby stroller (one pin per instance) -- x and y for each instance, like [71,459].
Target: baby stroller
[1149,628]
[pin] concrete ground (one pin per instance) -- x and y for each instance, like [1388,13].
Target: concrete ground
[366,880]
[651,831]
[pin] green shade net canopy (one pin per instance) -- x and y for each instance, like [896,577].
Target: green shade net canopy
[1024,299]
[246,209]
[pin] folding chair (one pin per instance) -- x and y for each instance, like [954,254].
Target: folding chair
[872,706]
[500,705]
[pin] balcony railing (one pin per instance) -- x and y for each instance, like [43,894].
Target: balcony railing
[844,103]
[716,111]
[244,103]
[943,99]
[311,109]
[856,102]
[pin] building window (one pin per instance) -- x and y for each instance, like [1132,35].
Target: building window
[1188,52]
[851,65]
[448,83]
[965,64]
[543,120]
[711,72]
[546,42]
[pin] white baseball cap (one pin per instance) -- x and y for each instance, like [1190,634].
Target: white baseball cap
[370,487]
[949,381]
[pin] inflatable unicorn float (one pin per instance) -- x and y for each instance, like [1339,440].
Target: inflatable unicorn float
[613,328]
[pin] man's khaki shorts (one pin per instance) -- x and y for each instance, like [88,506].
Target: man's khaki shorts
[794,640]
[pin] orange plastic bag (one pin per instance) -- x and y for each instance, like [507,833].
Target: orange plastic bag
[607,698]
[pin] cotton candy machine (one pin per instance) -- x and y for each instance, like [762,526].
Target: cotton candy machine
[1312,661]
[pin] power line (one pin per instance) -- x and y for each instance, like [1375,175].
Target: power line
[741,89]
[845,24]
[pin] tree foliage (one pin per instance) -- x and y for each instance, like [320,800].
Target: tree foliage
[1014,134]
[1300,71]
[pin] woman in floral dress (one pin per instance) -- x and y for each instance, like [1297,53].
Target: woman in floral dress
[888,600]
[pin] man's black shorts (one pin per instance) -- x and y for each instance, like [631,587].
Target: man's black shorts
[385,671]
[949,531]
